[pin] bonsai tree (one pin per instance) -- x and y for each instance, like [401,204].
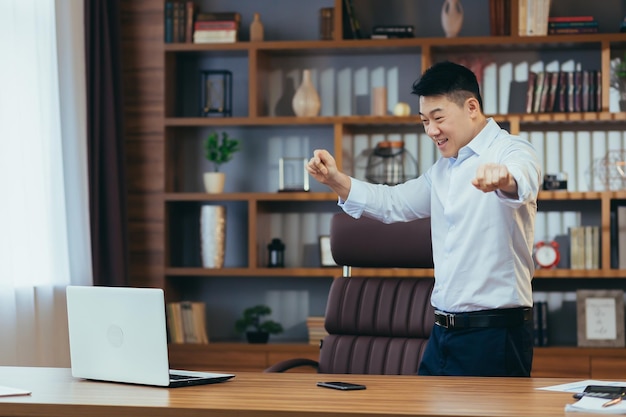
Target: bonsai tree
[251,321]
[219,152]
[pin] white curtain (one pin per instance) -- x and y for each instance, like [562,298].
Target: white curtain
[44,218]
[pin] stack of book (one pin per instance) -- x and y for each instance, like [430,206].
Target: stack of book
[584,247]
[564,91]
[533,17]
[186,322]
[316,329]
[179,21]
[393,31]
[559,25]
[216,27]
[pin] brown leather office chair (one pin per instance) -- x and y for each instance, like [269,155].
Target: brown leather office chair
[376,325]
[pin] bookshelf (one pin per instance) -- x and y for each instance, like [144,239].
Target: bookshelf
[167,131]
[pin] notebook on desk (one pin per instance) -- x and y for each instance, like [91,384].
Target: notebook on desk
[119,334]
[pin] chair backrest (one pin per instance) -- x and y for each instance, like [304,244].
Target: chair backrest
[378,325]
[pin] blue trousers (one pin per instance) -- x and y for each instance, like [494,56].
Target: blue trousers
[493,351]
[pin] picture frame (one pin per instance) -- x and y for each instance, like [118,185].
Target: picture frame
[600,318]
[326,256]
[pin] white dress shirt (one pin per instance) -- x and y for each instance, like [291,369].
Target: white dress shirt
[482,242]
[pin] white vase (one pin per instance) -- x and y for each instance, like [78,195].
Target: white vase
[306,101]
[214,182]
[212,235]
[452,17]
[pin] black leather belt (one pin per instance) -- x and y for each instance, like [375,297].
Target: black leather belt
[508,317]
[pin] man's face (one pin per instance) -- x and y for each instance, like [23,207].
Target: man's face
[447,124]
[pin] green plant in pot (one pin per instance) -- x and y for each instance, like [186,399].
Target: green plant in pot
[218,152]
[257,330]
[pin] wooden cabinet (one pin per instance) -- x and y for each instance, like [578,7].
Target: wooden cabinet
[265,75]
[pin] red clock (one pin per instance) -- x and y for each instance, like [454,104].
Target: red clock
[547,254]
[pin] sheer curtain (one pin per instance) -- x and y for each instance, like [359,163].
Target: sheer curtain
[44,220]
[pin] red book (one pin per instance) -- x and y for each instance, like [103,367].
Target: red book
[215,25]
[553,19]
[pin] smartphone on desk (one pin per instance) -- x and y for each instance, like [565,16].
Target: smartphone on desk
[344,386]
[601,391]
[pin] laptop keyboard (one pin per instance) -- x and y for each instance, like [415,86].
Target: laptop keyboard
[177,377]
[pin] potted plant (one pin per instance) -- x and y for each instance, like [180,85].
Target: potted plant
[257,331]
[218,152]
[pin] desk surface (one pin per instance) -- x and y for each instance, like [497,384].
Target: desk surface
[56,393]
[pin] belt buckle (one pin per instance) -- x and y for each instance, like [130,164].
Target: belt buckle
[449,320]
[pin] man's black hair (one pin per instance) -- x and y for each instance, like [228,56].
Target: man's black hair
[448,79]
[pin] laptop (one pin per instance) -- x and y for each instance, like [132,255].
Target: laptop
[119,334]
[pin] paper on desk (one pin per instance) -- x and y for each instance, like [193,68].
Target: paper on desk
[8,391]
[579,386]
[594,405]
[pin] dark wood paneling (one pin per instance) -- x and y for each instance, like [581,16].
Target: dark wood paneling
[145,166]
[142,78]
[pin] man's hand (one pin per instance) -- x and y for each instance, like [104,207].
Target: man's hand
[323,167]
[491,177]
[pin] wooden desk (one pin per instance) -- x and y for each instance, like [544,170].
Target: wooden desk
[55,393]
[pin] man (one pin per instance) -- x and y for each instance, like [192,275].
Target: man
[481,196]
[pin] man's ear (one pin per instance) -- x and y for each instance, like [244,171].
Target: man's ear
[472,105]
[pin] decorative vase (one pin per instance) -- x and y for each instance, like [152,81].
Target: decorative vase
[306,101]
[214,182]
[212,235]
[256,29]
[452,17]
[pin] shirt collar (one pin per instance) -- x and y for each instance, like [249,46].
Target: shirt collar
[480,143]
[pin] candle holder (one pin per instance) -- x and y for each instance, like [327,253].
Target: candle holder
[216,93]
[276,254]
[292,174]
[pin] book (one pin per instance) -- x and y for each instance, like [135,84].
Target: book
[584,94]
[190,9]
[571,31]
[169,22]
[407,30]
[216,25]
[539,84]
[562,99]
[182,20]
[186,322]
[553,90]
[555,25]
[350,21]
[621,236]
[545,92]
[598,90]
[215,36]
[206,16]
[522,20]
[555,19]
[327,18]
[530,91]
[571,88]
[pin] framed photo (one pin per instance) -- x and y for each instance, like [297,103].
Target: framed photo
[326,257]
[600,315]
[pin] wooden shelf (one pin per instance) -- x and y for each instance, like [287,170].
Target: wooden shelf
[371,46]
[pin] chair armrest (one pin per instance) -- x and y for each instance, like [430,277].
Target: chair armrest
[292,363]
